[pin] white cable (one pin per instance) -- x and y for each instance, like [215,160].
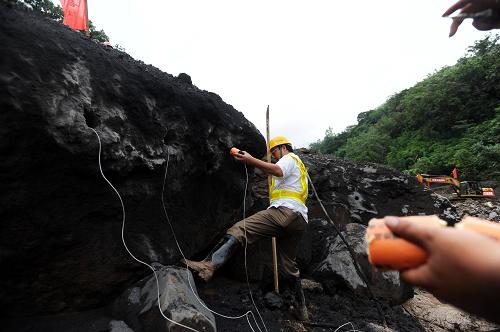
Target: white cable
[246,245]
[248,313]
[353,329]
[125,245]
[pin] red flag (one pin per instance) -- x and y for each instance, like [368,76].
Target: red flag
[455,173]
[75,14]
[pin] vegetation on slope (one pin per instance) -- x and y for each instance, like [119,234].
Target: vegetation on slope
[451,118]
[47,8]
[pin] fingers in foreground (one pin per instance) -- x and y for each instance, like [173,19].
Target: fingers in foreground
[456,6]
[454,26]
[420,276]
[411,229]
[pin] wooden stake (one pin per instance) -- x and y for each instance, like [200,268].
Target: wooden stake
[273,241]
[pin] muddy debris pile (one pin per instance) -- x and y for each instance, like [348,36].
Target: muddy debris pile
[486,209]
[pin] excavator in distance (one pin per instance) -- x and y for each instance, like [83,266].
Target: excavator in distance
[461,190]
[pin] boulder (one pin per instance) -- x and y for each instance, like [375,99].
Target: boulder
[61,223]
[353,192]
[135,310]
[179,299]
[436,316]
[335,267]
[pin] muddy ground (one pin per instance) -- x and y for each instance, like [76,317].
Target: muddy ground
[328,312]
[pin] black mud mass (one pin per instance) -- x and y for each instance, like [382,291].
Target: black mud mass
[60,244]
[327,312]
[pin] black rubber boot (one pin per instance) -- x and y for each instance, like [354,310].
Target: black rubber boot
[217,257]
[300,311]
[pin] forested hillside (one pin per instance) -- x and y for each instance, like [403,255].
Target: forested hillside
[451,118]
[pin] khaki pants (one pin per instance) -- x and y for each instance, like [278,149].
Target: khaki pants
[284,224]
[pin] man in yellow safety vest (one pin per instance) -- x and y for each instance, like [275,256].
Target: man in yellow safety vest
[285,219]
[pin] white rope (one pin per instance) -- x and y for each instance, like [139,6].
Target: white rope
[125,245]
[351,330]
[246,245]
[248,313]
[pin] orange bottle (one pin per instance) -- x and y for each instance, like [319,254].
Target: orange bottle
[389,252]
[234,151]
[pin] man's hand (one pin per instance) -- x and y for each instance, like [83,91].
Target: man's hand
[243,156]
[463,267]
[474,7]
[269,168]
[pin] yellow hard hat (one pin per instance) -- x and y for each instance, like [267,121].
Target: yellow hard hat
[278,140]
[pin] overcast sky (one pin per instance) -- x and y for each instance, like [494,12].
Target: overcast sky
[316,63]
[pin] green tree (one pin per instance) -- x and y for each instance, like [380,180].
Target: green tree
[47,8]
[55,12]
[452,117]
[370,146]
[97,35]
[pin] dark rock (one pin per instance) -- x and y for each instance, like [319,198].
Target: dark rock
[437,316]
[88,321]
[179,302]
[312,286]
[486,209]
[336,268]
[61,246]
[273,301]
[356,193]
[183,77]
[350,193]
[135,310]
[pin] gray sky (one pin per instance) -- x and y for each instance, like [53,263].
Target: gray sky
[316,63]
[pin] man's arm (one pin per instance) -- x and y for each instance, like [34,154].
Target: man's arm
[269,168]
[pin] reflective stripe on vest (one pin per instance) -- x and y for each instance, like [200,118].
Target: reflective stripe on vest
[284,193]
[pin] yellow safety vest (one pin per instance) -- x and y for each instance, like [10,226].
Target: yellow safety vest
[284,193]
